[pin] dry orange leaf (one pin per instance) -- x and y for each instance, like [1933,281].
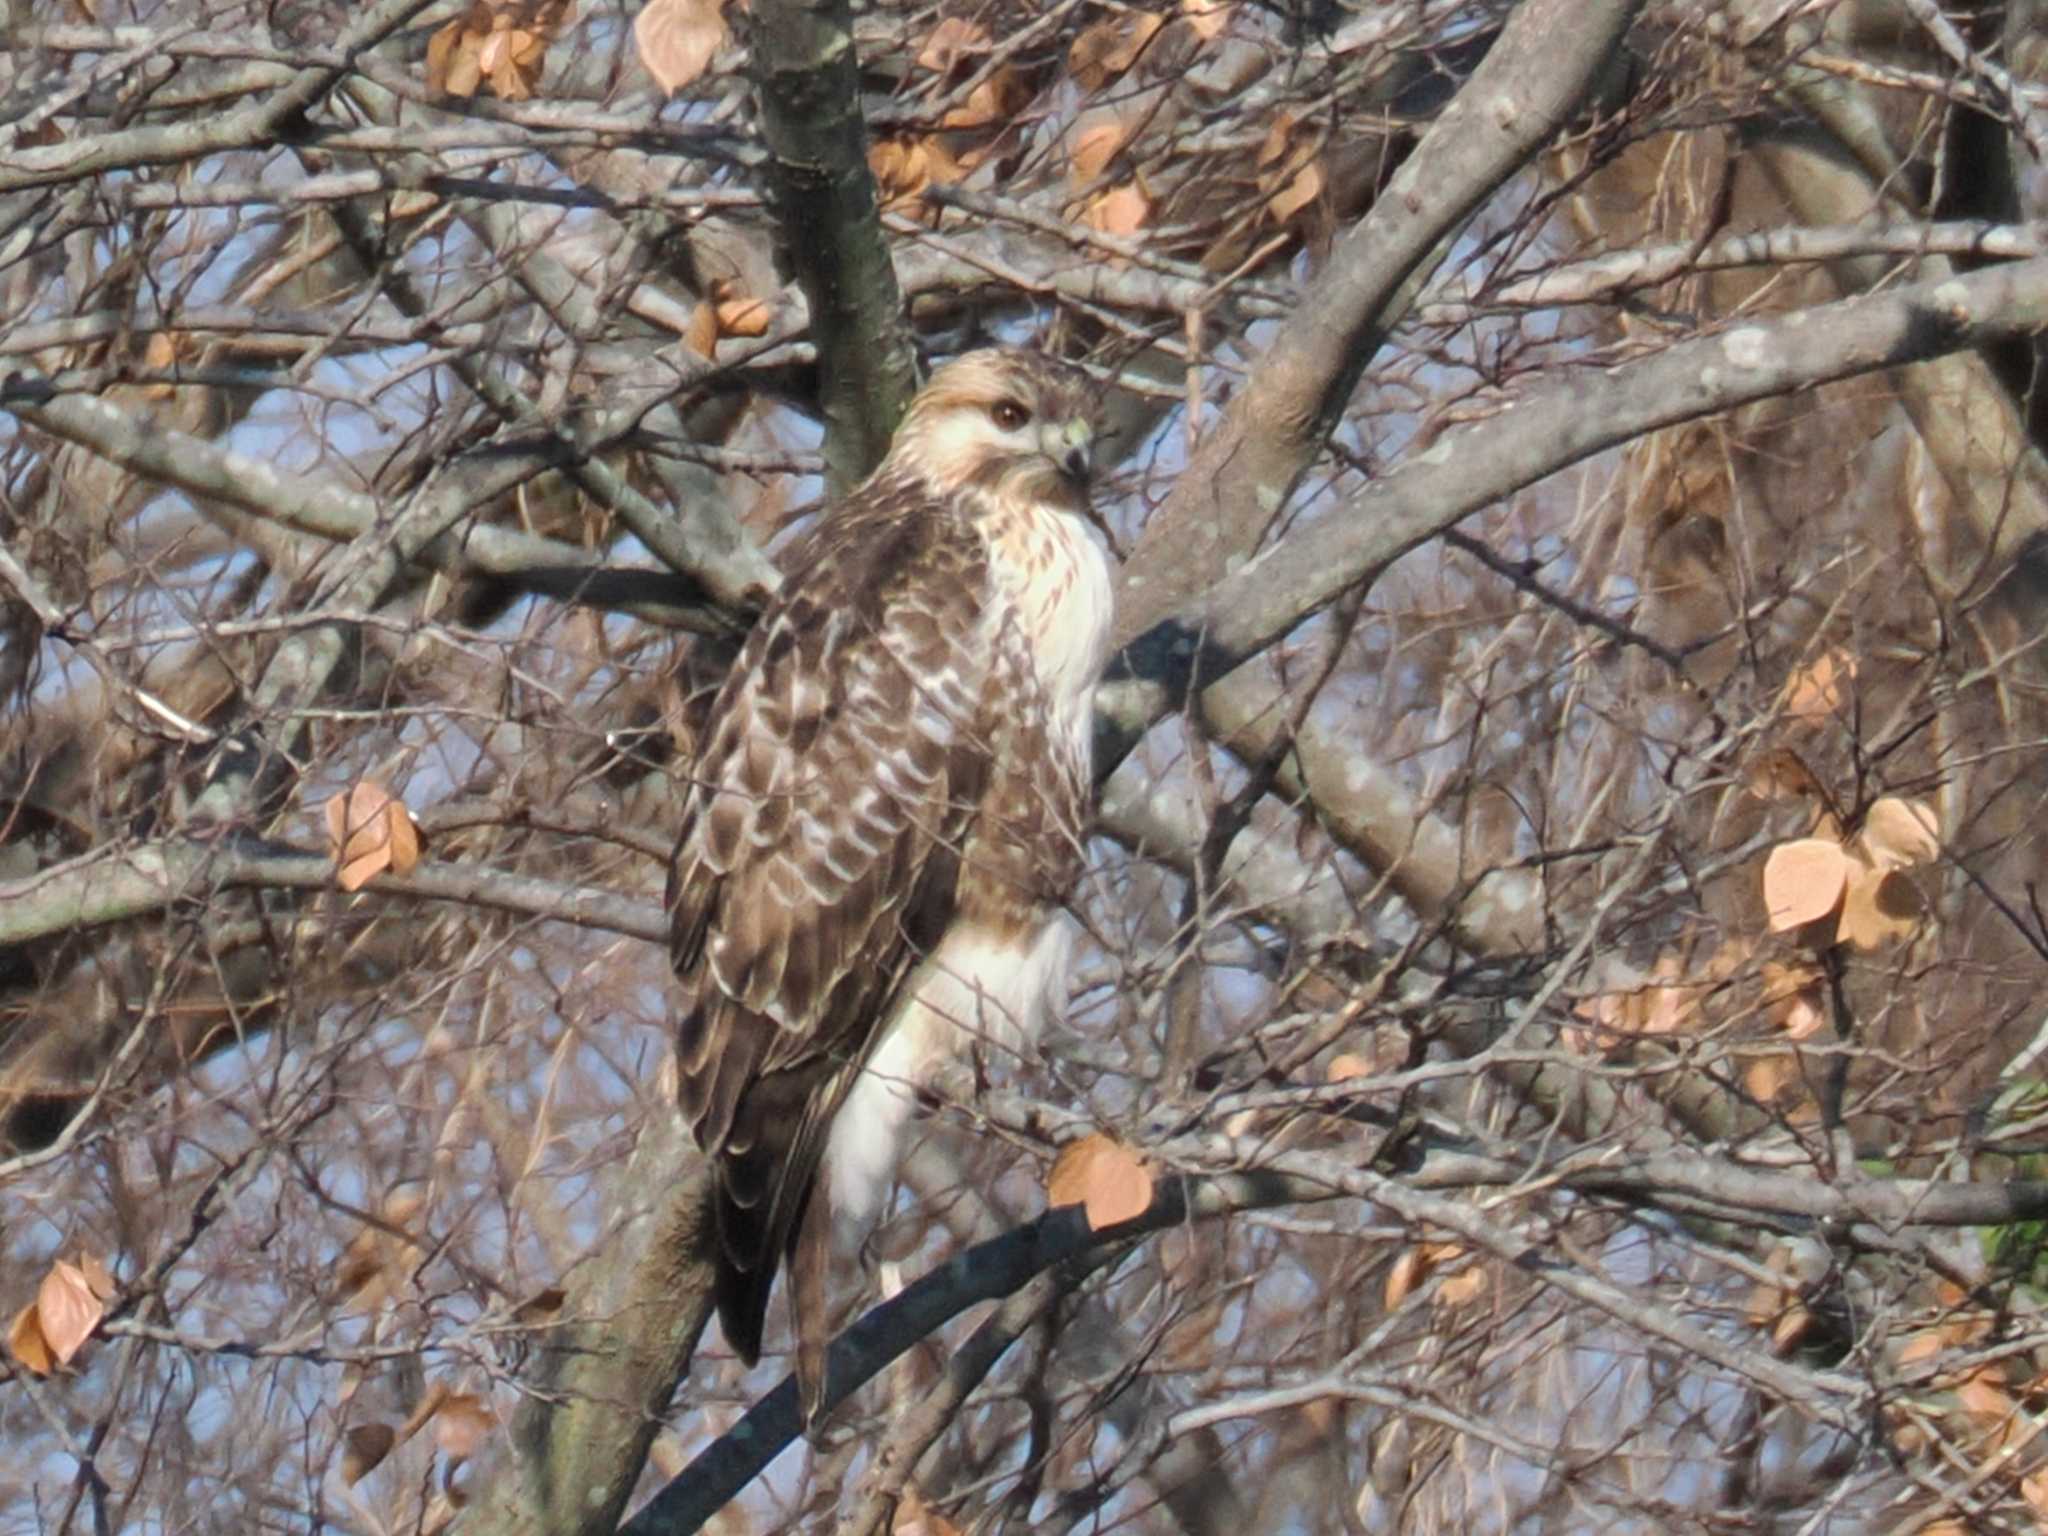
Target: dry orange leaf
[1105,50]
[26,1343]
[1346,1066]
[677,39]
[743,317]
[999,98]
[702,336]
[1121,210]
[1305,187]
[369,832]
[953,39]
[2034,1489]
[904,167]
[1771,1077]
[463,1424]
[1900,832]
[1102,1174]
[1780,774]
[1466,1285]
[362,1448]
[68,1310]
[1883,907]
[1804,881]
[1985,1402]
[1408,1272]
[1095,143]
[97,1276]
[914,1517]
[1208,18]
[1815,693]
[375,1257]
[503,43]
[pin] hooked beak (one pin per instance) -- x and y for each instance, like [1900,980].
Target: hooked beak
[1070,445]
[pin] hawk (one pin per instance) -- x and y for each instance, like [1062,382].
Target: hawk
[886,817]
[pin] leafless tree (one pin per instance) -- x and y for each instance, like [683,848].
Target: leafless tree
[1564,967]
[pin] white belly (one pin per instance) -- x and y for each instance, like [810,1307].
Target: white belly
[973,987]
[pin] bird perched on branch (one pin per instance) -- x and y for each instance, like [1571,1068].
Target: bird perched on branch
[886,818]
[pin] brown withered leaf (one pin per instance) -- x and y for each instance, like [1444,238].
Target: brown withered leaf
[1300,192]
[1805,880]
[67,1310]
[702,336]
[503,44]
[97,1276]
[1207,18]
[1792,997]
[742,317]
[376,1257]
[26,1343]
[1120,211]
[363,1448]
[463,1424]
[1346,1066]
[998,99]
[368,832]
[1095,143]
[916,1517]
[1780,774]
[542,1307]
[1899,833]
[1106,49]
[1468,1284]
[1883,907]
[1816,692]
[1102,1174]
[677,39]
[954,39]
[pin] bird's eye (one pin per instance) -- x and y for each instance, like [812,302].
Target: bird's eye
[1008,415]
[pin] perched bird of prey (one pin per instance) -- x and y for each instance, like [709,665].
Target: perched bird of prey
[886,817]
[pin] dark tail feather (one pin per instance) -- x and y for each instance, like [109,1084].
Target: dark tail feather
[810,1267]
[742,1296]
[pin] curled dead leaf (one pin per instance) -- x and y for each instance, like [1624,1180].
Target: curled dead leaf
[1345,1066]
[1108,48]
[363,1448]
[1105,1176]
[1816,693]
[742,317]
[955,38]
[377,1257]
[1465,1286]
[68,1310]
[1883,907]
[1207,18]
[1120,211]
[1899,833]
[702,336]
[677,39]
[368,832]
[1095,143]
[1780,774]
[1301,190]
[1804,881]
[26,1343]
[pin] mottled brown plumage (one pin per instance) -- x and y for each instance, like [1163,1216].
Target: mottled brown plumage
[885,818]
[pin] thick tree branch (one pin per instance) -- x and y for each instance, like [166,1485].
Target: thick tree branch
[1556,426]
[808,80]
[730,580]
[1245,469]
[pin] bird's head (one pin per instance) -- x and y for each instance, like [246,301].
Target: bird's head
[1005,418]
